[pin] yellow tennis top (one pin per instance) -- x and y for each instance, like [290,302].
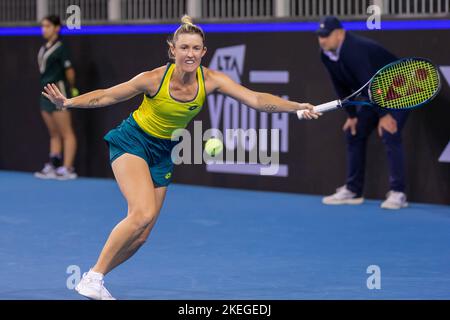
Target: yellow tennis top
[161,114]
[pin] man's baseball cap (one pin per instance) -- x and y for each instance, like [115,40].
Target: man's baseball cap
[327,25]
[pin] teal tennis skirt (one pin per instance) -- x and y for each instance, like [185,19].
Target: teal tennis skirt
[128,137]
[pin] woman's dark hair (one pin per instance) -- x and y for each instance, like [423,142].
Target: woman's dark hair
[53,19]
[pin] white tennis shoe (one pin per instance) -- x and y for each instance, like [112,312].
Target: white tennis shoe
[93,288]
[395,200]
[342,196]
[48,172]
[63,173]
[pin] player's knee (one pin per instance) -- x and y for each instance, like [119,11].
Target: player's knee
[142,216]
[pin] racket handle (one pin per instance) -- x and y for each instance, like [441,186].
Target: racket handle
[322,108]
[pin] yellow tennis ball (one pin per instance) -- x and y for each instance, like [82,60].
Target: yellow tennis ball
[213,147]
[74,92]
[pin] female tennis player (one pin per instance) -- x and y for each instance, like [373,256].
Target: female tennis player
[55,67]
[140,147]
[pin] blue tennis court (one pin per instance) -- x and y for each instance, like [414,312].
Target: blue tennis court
[214,243]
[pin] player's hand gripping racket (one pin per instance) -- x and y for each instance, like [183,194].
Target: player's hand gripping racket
[403,84]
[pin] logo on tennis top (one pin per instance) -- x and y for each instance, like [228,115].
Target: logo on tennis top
[193,108]
[168,175]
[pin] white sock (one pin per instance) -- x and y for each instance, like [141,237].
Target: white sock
[95,275]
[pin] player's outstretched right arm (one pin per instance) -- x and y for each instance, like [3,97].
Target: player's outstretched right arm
[103,97]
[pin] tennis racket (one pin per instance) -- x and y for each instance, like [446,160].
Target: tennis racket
[403,84]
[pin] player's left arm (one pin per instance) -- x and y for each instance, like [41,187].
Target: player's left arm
[218,81]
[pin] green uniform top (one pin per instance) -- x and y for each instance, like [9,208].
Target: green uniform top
[53,62]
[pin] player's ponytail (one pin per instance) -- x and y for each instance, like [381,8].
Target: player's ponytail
[187,26]
[187,20]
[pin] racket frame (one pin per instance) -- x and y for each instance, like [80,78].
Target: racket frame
[339,103]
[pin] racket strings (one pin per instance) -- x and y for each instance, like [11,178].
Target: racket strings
[405,84]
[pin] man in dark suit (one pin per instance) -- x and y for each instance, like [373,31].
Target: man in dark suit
[351,61]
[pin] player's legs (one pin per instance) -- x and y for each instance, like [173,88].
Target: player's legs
[63,121]
[144,202]
[160,194]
